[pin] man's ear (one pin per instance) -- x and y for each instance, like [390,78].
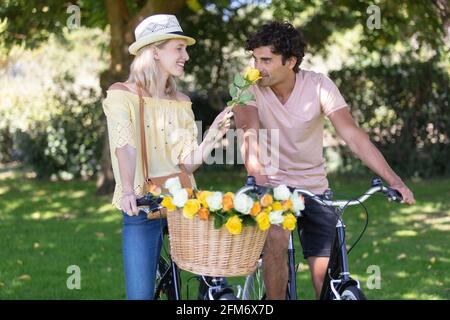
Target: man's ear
[291,62]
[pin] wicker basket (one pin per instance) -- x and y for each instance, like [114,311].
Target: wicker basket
[199,248]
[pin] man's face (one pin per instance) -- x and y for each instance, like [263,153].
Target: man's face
[271,67]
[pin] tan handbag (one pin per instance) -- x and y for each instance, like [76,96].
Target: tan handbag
[151,183]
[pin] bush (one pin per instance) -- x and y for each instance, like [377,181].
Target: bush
[404,109]
[71,142]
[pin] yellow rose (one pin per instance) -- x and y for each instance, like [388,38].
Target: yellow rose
[277,206]
[167,203]
[263,221]
[202,195]
[289,222]
[191,208]
[234,225]
[252,75]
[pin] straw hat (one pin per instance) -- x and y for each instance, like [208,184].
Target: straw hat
[156,28]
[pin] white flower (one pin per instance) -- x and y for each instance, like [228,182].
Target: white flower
[298,204]
[214,201]
[276,217]
[173,184]
[243,203]
[180,197]
[281,192]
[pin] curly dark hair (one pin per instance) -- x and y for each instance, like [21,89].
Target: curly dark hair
[283,38]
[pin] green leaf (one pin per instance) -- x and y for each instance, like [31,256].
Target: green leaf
[245,97]
[239,81]
[248,221]
[218,221]
[230,103]
[233,91]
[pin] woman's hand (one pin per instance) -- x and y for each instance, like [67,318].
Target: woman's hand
[128,203]
[222,123]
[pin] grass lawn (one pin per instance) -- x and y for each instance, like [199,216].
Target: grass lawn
[45,227]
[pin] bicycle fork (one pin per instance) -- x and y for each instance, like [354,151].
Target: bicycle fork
[292,284]
[176,280]
[340,253]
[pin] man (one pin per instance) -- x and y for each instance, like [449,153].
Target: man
[294,102]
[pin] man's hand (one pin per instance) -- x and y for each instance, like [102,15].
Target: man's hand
[408,196]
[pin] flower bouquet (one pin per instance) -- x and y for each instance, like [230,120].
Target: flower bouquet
[235,211]
[218,234]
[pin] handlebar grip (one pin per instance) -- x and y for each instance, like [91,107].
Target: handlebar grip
[394,195]
[148,201]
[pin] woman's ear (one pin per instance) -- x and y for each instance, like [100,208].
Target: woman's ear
[155,53]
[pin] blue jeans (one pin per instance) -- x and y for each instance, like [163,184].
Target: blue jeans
[141,247]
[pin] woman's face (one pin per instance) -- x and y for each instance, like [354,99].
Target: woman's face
[172,56]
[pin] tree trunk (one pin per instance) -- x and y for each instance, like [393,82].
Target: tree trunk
[122,35]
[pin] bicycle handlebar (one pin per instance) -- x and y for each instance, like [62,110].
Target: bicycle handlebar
[153,203]
[377,186]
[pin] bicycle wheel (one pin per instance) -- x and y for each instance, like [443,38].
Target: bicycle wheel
[254,288]
[352,293]
[164,288]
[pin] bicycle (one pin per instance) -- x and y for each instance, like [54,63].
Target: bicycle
[168,280]
[338,284]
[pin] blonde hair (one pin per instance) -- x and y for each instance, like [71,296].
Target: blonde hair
[144,70]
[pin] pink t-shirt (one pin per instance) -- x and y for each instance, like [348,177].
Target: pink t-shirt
[299,124]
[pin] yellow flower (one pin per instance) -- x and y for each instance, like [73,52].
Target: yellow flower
[202,195]
[252,75]
[289,222]
[191,208]
[234,225]
[167,203]
[277,206]
[263,221]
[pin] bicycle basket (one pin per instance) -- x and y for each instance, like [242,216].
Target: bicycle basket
[196,246]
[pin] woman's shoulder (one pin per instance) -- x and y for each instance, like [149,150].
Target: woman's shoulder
[182,97]
[123,86]
[118,94]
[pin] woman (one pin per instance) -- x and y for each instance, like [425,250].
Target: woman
[170,136]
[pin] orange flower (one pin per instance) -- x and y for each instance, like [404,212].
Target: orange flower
[203,214]
[190,192]
[287,205]
[256,209]
[231,194]
[227,202]
[266,200]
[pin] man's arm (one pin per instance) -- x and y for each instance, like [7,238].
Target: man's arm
[359,143]
[246,119]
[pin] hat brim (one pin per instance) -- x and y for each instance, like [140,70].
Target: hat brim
[135,46]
